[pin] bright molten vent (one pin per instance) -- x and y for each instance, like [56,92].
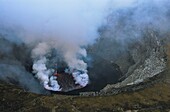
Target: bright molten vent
[68,82]
[71,78]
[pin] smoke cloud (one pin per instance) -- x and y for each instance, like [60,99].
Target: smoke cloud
[70,25]
[130,19]
[65,25]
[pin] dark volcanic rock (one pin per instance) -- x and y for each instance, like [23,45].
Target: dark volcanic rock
[67,82]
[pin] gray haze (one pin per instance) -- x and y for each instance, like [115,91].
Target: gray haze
[68,25]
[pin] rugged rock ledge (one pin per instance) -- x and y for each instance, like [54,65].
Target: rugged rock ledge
[150,59]
[111,90]
[152,66]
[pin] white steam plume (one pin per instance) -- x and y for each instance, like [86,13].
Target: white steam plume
[43,74]
[39,67]
[59,24]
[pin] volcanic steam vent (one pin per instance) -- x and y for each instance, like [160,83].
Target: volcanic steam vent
[63,45]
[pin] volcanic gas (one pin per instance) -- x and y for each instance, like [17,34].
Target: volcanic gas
[63,45]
